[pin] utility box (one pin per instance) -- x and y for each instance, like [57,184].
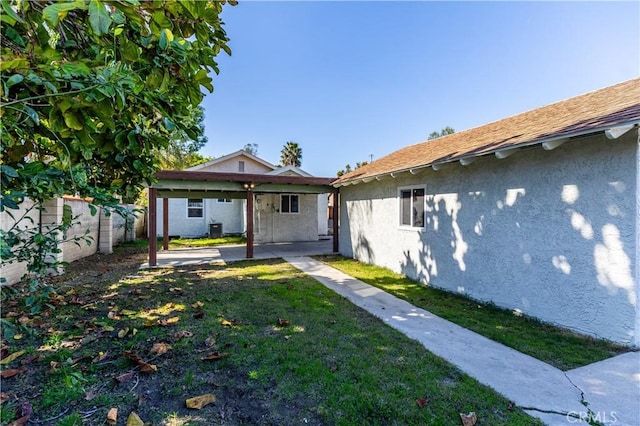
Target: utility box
[215,230]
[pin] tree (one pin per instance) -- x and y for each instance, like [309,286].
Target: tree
[182,150]
[444,132]
[90,91]
[251,148]
[291,155]
[347,168]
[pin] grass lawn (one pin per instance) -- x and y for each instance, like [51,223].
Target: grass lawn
[559,347]
[274,346]
[189,242]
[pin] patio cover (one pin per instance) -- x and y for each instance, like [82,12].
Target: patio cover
[194,184]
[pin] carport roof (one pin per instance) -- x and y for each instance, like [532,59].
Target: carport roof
[195,184]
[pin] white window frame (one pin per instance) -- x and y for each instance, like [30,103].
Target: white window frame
[241,166]
[189,207]
[290,204]
[411,189]
[224,200]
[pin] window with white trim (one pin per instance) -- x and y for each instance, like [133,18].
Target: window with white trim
[224,200]
[412,207]
[195,207]
[241,166]
[289,203]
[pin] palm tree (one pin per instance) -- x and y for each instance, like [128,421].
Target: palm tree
[291,155]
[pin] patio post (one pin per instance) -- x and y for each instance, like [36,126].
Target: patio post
[249,188]
[165,224]
[336,210]
[153,231]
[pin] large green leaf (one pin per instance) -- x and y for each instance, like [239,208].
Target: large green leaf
[99,17]
[56,12]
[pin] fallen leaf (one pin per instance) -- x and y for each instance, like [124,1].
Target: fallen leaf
[184,333]
[101,356]
[214,356]
[134,420]
[11,357]
[210,341]
[17,337]
[468,419]
[112,416]
[421,402]
[229,323]
[89,395]
[25,412]
[12,372]
[168,321]
[122,333]
[112,315]
[160,348]
[147,368]
[200,401]
[197,305]
[283,322]
[23,320]
[124,377]
[4,396]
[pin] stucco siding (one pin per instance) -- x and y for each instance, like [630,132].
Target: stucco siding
[230,215]
[179,223]
[271,225]
[552,234]
[231,166]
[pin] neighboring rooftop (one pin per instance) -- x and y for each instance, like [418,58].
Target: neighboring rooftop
[589,113]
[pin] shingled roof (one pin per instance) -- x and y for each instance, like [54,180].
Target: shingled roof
[589,113]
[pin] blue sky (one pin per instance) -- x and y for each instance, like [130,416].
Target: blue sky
[346,80]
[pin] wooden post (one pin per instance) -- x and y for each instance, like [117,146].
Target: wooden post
[165,224]
[336,219]
[249,222]
[153,225]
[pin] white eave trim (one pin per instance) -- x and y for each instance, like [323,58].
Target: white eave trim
[616,132]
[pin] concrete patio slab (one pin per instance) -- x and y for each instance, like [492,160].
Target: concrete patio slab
[234,253]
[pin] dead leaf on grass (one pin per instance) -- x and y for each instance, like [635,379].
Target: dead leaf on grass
[122,333]
[181,334]
[24,414]
[200,401]
[229,323]
[4,396]
[113,315]
[160,348]
[89,395]
[468,419]
[112,416]
[421,402]
[101,356]
[168,321]
[11,357]
[210,341]
[145,367]
[124,377]
[197,305]
[215,356]
[283,322]
[134,420]
[12,372]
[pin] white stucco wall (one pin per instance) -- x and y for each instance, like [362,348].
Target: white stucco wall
[231,215]
[179,223]
[553,234]
[76,250]
[270,225]
[231,166]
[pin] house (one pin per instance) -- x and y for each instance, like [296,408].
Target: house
[537,213]
[277,216]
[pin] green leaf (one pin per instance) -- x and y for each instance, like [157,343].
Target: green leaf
[14,79]
[6,7]
[54,13]
[166,37]
[8,170]
[14,64]
[99,17]
[72,121]
[67,215]
[75,69]
[33,115]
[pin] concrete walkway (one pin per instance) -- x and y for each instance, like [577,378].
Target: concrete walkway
[611,388]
